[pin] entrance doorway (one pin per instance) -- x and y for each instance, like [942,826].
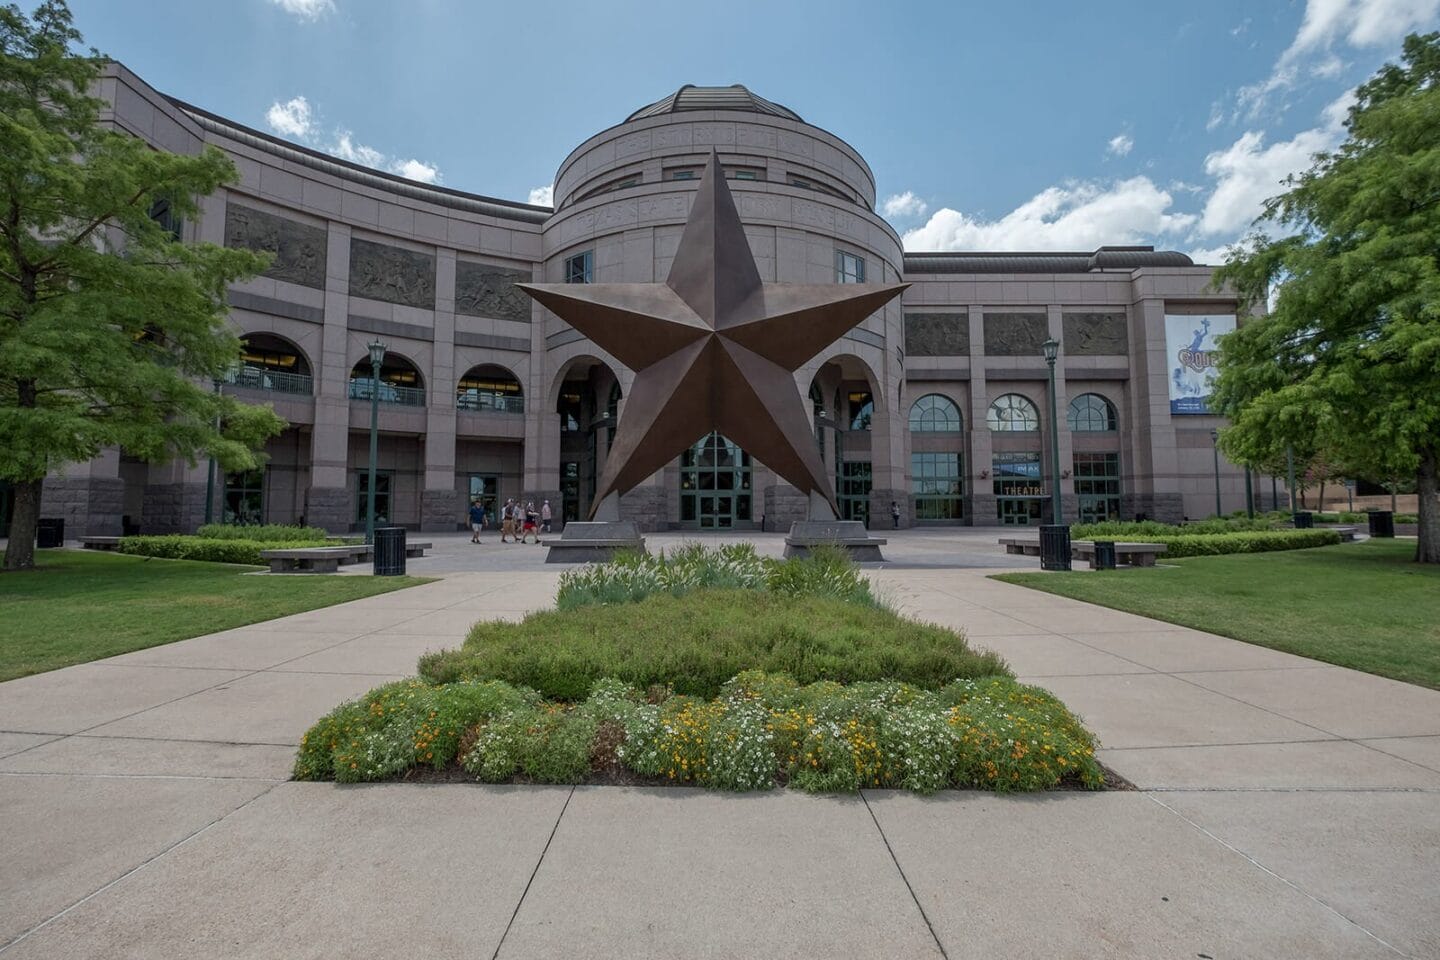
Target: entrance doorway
[715,485]
[853,493]
[484,487]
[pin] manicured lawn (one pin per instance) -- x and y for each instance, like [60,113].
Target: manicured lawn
[81,606]
[1362,605]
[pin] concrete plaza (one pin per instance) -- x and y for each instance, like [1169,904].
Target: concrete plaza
[1286,808]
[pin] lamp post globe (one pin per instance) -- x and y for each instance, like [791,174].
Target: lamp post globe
[377,358]
[1054,536]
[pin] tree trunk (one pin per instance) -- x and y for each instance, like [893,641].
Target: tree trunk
[24,518]
[1427,486]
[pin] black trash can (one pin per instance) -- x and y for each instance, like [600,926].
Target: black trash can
[1104,554]
[1304,520]
[1054,546]
[390,552]
[50,532]
[1382,523]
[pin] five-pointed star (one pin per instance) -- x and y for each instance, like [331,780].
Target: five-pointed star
[713,348]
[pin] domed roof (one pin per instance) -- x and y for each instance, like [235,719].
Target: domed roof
[733,97]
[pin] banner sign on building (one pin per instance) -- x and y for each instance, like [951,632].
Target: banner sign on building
[1190,354]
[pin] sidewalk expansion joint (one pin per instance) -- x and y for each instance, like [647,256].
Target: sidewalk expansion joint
[544,850]
[901,870]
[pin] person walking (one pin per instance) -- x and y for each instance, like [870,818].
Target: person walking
[545,517]
[507,521]
[895,514]
[477,520]
[529,525]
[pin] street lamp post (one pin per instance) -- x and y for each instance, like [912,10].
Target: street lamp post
[1215,445]
[1054,536]
[377,357]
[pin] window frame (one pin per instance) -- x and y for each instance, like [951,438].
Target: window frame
[1094,404]
[919,421]
[842,259]
[998,422]
[586,273]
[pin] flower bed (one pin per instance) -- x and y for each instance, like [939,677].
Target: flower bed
[762,731]
[698,641]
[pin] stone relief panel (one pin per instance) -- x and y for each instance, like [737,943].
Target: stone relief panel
[937,334]
[482,290]
[1096,334]
[383,272]
[1015,334]
[298,247]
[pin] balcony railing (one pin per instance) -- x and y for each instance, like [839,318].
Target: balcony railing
[489,403]
[277,381]
[389,393]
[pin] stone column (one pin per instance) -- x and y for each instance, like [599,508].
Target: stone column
[442,505]
[981,489]
[1153,454]
[175,496]
[329,501]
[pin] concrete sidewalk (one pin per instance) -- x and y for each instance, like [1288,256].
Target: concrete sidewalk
[1287,809]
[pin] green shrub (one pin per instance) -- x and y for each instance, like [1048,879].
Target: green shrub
[631,577]
[697,641]
[264,533]
[1115,529]
[178,547]
[763,730]
[1187,542]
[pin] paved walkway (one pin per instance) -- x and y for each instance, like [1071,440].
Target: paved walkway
[1287,809]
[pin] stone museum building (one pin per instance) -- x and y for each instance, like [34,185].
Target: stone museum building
[938,402]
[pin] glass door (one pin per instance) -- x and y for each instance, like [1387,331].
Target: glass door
[484,487]
[714,485]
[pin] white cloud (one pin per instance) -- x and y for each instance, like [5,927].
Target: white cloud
[1357,23]
[905,204]
[1210,256]
[1076,216]
[1248,172]
[1120,145]
[290,119]
[543,196]
[296,119]
[310,10]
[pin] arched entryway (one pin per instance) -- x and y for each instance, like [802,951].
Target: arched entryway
[716,485]
[848,407]
[586,399]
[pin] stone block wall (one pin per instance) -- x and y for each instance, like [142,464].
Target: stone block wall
[783,505]
[648,506]
[329,508]
[90,506]
[1162,507]
[443,511]
[174,508]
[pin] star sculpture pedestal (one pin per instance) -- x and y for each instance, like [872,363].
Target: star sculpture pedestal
[714,348]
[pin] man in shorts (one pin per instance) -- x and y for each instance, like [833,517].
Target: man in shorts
[507,521]
[477,521]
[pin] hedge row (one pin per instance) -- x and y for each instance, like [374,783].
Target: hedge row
[762,730]
[1215,544]
[261,533]
[179,547]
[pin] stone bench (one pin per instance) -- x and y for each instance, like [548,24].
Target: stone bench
[849,535]
[1134,554]
[100,543]
[1017,546]
[1347,534]
[308,559]
[364,552]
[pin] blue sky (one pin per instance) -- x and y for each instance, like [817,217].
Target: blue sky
[1018,126]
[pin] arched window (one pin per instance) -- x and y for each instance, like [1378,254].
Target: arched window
[1091,413]
[399,382]
[862,409]
[1012,413]
[934,413]
[490,388]
[270,363]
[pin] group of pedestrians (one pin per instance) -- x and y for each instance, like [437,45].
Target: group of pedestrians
[517,522]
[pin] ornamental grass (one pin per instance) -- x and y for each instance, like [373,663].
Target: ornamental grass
[763,730]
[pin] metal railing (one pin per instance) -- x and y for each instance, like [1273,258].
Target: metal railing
[489,402]
[277,381]
[389,393]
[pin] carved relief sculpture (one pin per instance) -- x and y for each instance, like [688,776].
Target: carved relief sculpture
[1015,334]
[937,334]
[1096,334]
[382,272]
[299,248]
[483,290]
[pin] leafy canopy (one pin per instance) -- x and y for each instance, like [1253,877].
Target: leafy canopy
[1347,363]
[111,330]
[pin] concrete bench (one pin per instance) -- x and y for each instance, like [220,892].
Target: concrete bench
[1347,534]
[1134,554]
[309,559]
[1017,546]
[364,552]
[100,543]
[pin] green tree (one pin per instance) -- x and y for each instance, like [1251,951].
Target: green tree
[111,330]
[1348,358]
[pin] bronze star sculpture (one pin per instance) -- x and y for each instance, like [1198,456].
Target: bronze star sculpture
[713,348]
